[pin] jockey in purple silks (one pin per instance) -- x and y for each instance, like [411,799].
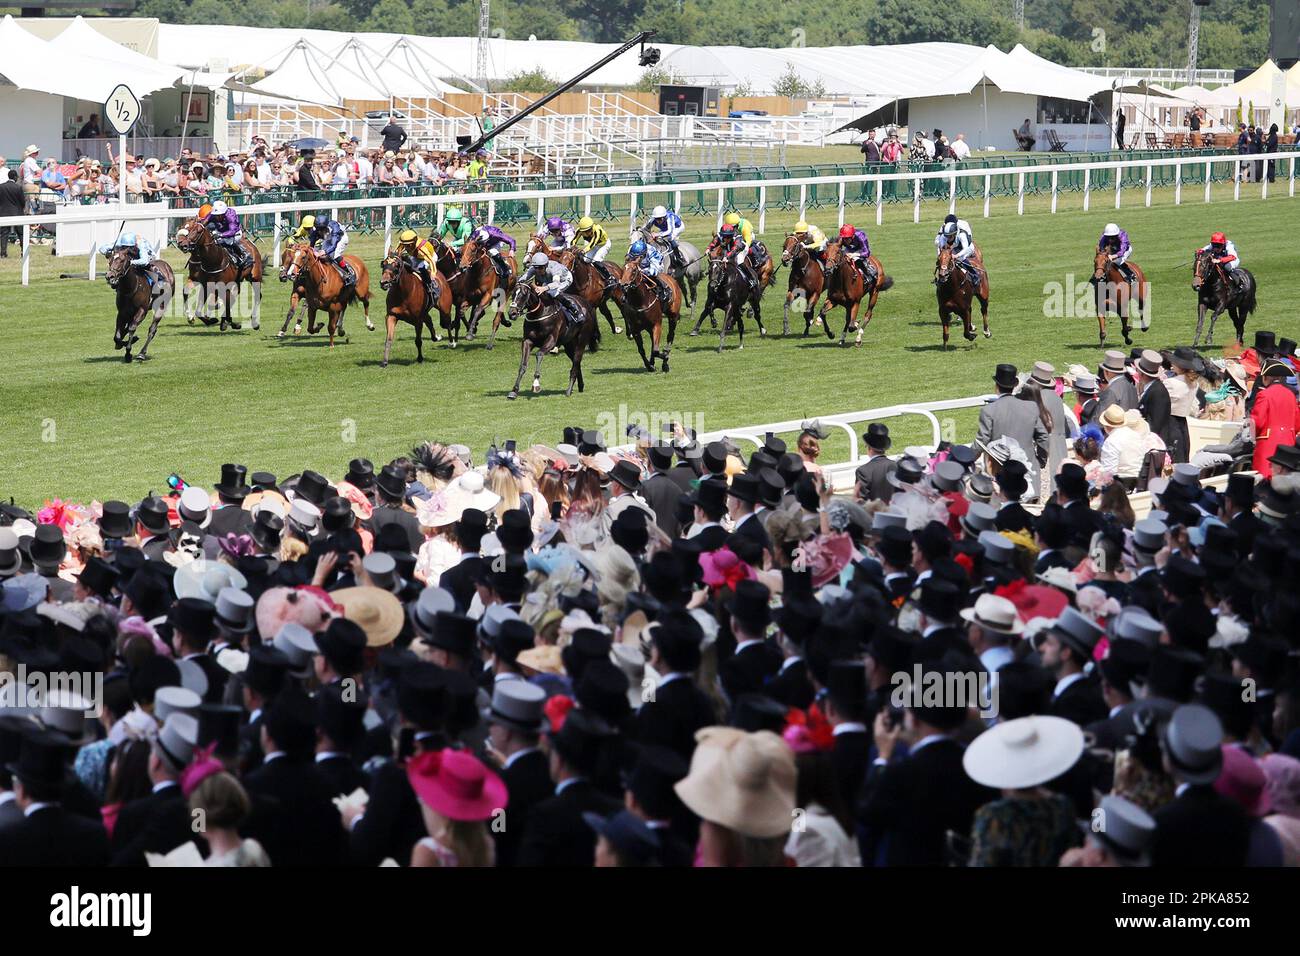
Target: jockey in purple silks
[854,244]
[223,223]
[492,239]
[1114,241]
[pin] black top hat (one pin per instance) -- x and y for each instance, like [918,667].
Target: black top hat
[891,648]
[290,721]
[895,546]
[266,530]
[1286,346]
[1241,490]
[847,685]
[453,632]
[770,487]
[336,513]
[152,513]
[652,778]
[798,617]
[1172,673]
[586,646]
[715,458]
[343,644]
[581,740]
[761,459]
[1265,342]
[99,577]
[361,473]
[422,695]
[1072,481]
[590,442]
[194,617]
[750,605]
[313,487]
[1288,456]
[753,711]
[267,670]
[1005,375]
[1182,576]
[47,547]
[660,455]
[631,530]
[512,637]
[940,600]
[878,436]
[603,691]
[744,487]
[790,467]
[341,715]
[115,522]
[711,495]
[1012,478]
[219,724]
[470,528]
[626,473]
[1126,663]
[934,540]
[515,532]
[42,758]
[392,483]
[263,481]
[233,483]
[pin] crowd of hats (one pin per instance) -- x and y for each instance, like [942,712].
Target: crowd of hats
[786,609]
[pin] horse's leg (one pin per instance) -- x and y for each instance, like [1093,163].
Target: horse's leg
[255,320]
[335,317]
[390,320]
[821,318]
[1200,323]
[153,330]
[312,327]
[293,307]
[945,317]
[419,337]
[740,327]
[537,371]
[726,323]
[640,347]
[130,335]
[571,350]
[1214,315]
[523,366]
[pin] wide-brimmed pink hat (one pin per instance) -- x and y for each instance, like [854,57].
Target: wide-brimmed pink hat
[457,785]
[1242,781]
[722,568]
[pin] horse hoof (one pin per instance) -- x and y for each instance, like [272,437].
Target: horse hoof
[383,365]
[256,326]
[988,334]
[617,330]
[236,325]
[469,337]
[489,346]
[696,332]
[511,396]
[297,330]
[280,334]
[537,388]
[190,320]
[143,357]
[1128,340]
[370,326]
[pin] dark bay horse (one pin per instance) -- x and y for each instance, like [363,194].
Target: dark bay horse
[407,302]
[688,273]
[1216,293]
[324,289]
[214,276]
[546,328]
[472,257]
[644,311]
[954,289]
[807,281]
[730,291]
[139,291]
[1115,294]
[847,288]
[596,283]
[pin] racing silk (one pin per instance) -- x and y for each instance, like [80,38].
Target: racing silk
[963,245]
[858,245]
[562,239]
[459,231]
[593,238]
[558,278]
[495,237]
[670,225]
[745,230]
[423,250]
[1229,259]
[814,239]
[145,253]
[1118,246]
[226,226]
[329,234]
[653,263]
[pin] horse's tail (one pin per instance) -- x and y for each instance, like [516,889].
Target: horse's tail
[1248,303]
[886,282]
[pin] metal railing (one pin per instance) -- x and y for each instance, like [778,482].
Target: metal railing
[1165,76]
[944,183]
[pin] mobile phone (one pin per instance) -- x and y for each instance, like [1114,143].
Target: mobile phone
[406,744]
[557,507]
[670,428]
[510,445]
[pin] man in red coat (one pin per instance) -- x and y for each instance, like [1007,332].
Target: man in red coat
[1275,415]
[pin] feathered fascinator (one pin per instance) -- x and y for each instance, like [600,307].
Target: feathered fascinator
[498,458]
[436,459]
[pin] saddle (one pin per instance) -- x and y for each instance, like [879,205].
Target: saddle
[664,293]
[570,307]
[606,273]
[758,252]
[347,272]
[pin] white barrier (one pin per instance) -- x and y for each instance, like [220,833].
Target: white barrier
[672,193]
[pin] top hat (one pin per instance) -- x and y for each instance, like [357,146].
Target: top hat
[99,577]
[590,442]
[115,521]
[1085,384]
[392,483]
[1136,625]
[626,473]
[744,487]
[343,645]
[978,518]
[877,436]
[602,690]
[336,514]
[1072,480]
[266,671]
[313,487]
[908,472]
[233,483]
[513,636]
[1172,673]
[47,547]
[515,531]
[1150,363]
[581,740]
[660,455]
[651,780]
[42,757]
[940,600]
[631,530]
[979,488]
[711,494]
[234,610]
[895,545]
[266,529]
[518,705]
[219,724]
[1192,740]
[715,458]
[1265,342]
[1076,632]
[776,447]
[963,455]
[361,473]
[1043,374]
[453,632]
[753,711]
[948,475]
[1006,375]
[262,481]
[1114,362]
[341,715]
[750,605]
[152,513]
[1288,456]
[1125,665]
[1149,535]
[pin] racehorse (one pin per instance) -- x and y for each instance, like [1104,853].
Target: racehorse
[297,295]
[1115,294]
[847,288]
[473,287]
[323,287]
[807,281]
[644,310]
[689,273]
[1215,292]
[596,283]
[546,328]
[765,277]
[731,291]
[408,302]
[139,291]
[472,256]
[954,289]
[213,274]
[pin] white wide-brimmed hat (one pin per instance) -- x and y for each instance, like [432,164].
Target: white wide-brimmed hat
[742,781]
[474,495]
[1023,753]
[205,579]
[994,613]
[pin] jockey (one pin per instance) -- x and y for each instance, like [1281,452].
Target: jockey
[332,238]
[145,253]
[492,239]
[420,255]
[654,264]
[1114,241]
[542,266]
[665,225]
[591,240]
[812,239]
[1224,253]
[956,234]
[854,244]
[457,226]
[223,223]
[559,233]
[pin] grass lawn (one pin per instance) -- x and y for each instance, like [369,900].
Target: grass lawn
[77,422]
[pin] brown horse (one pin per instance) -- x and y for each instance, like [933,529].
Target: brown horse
[596,283]
[408,302]
[644,310]
[807,281]
[214,276]
[954,289]
[1115,294]
[323,288]
[474,258]
[474,286]
[297,296]
[847,288]
[546,328]
[139,292]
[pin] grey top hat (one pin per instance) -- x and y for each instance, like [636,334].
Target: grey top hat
[1187,474]
[382,569]
[489,624]
[177,739]
[425,609]
[948,475]
[1078,633]
[997,547]
[518,705]
[175,700]
[1125,830]
[1044,374]
[235,610]
[1114,362]
[885,519]
[193,677]
[1192,740]
[1135,624]
[1149,534]
[979,517]
[296,643]
[66,712]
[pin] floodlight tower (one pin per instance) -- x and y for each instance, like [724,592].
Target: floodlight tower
[1194,38]
[1018,13]
[481,52]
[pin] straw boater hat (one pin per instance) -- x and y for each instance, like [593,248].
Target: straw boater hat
[994,613]
[742,781]
[1112,417]
[378,612]
[31,150]
[1022,753]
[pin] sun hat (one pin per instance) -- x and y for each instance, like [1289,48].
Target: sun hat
[456,784]
[742,781]
[470,486]
[206,579]
[1025,752]
[379,612]
[994,613]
